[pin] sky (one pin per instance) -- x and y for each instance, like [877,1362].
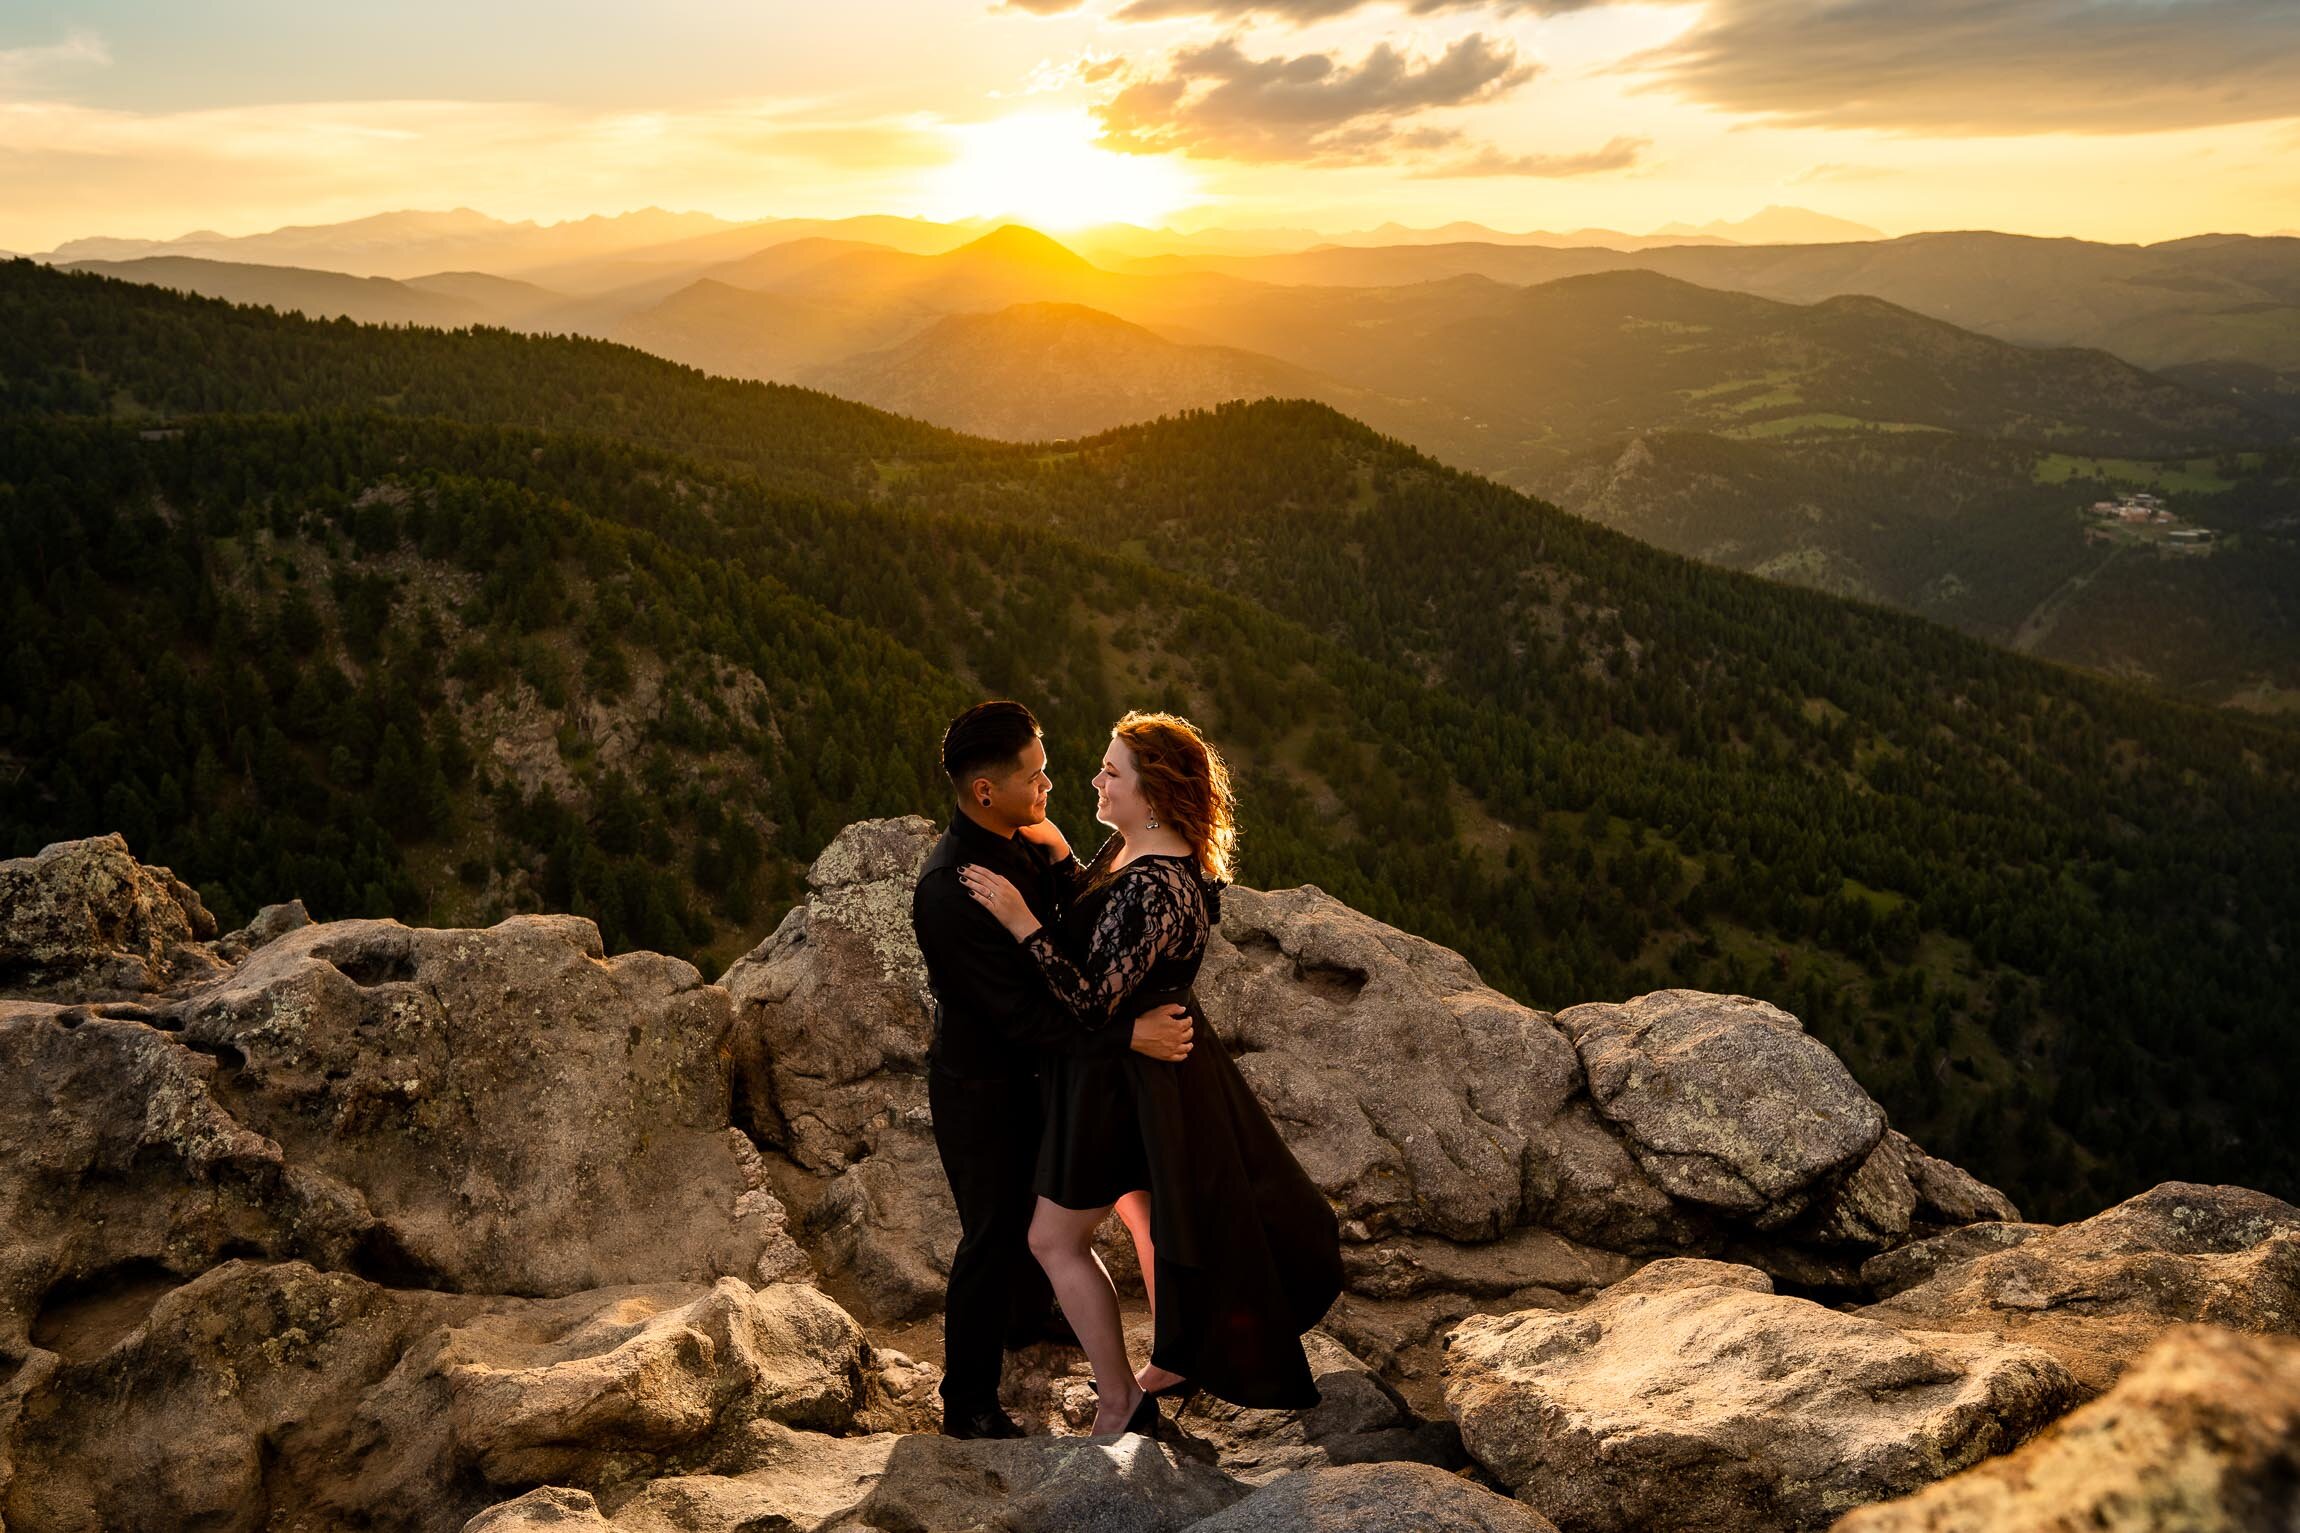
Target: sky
[2128,120]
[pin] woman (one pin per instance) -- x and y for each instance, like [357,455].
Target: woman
[1239,1249]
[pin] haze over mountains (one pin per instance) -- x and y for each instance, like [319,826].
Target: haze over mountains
[1921,421]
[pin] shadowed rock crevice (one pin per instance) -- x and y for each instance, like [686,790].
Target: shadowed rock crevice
[81,1318]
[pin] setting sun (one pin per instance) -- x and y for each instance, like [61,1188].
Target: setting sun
[1044,168]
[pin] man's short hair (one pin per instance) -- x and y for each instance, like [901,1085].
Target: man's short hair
[985,741]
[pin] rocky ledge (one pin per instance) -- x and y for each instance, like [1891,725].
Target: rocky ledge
[355,1224]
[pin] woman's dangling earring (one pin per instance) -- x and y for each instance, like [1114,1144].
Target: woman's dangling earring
[1150,825]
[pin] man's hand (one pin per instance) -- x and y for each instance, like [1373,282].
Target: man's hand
[1163,1034]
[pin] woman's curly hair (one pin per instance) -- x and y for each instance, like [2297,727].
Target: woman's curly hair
[1186,784]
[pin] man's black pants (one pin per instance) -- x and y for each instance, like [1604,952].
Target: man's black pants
[987,1134]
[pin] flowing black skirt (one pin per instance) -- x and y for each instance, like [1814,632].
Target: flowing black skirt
[1249,1256]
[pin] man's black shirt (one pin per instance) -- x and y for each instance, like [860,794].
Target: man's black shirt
[994,1014]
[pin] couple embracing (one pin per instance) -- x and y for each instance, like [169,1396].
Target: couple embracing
[1067,1079]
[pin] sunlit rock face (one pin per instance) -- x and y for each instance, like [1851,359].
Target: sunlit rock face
[84,921]
[2202,1432]
[2096,1293]
[1691,1396]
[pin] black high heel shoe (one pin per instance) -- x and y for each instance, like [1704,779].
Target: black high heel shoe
[1146,1420]
[1182,1390]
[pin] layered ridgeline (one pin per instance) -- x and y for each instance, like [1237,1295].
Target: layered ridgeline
[451,669]
[1938,452]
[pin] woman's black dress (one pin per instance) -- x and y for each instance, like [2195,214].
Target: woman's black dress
[1248,1253]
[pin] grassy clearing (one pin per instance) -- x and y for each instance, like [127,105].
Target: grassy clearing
[2200,476]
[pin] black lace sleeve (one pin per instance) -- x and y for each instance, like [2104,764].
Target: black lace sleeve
[1148,915]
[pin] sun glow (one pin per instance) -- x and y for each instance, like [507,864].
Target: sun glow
[1044,168]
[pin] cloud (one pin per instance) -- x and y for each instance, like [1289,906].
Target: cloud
[1988,67]
[1614,154]
[20,66]
[1213,102]
[1040,7]
[1304,12]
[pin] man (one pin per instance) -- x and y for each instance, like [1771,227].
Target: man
[994,1016]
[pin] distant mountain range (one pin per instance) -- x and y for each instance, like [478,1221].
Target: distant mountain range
[1761,407]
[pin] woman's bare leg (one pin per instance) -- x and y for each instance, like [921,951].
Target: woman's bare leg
[1134,1212]
[1063,1241]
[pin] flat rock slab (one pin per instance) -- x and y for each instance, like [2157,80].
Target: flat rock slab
[1358,1419]
[2201,1434]
[803,1481]
[1690,1396]
[1375,1498]
[2096,1293]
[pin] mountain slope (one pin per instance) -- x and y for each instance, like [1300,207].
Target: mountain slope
[1035,372]
[2029,906]
[319,294]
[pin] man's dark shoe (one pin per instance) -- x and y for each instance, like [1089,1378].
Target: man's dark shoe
[983,1421]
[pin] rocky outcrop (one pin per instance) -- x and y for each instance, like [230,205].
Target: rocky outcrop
[276,1385]
[85,921]
[1428,1106]
[125,1174]
[1358,1419]
[353,1224]
[1729,1105]
[2096,1293]
[2202,1433]
[518,1113]
[1375,1498]
[833,1013]
[1920,1261]
[1690,1396]
[804,1481]
[612,1385]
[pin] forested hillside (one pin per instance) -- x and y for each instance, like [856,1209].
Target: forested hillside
[451,669]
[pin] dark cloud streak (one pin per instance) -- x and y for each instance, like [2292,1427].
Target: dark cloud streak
[1976,67]
[1214,102]
[1303,12]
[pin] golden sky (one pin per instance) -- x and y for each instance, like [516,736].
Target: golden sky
[2106,119]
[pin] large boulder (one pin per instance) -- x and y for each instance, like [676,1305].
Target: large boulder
[126,1173]
[83,921]
[2097,1293]
[277,1385]
[1690,1396]
[242,1391]
[1419,1098]
[2202,1433]
[1375,1498]
[520,1113]
[1730,1105]
[833,1012]
[602,1387]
